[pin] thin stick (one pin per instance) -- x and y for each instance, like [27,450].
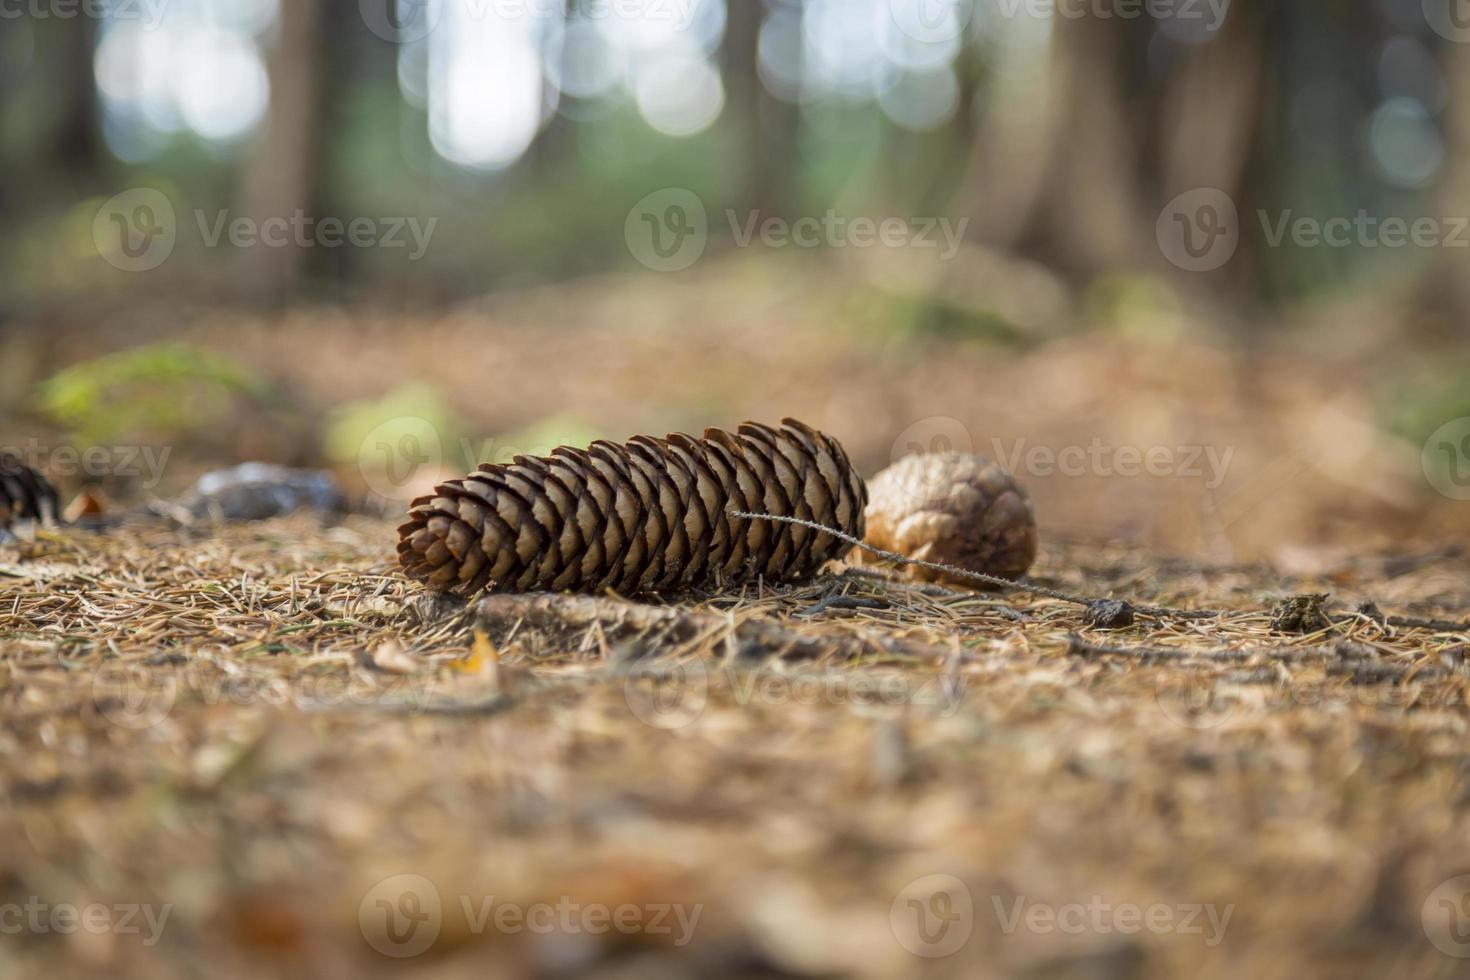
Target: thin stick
[992,580]
[995,581]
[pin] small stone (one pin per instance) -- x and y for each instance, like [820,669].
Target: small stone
[1109,614]
[257,491]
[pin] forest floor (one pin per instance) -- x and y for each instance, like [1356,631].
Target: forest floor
[246,748]
[255,747]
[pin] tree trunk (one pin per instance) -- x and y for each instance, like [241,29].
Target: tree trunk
[279,175]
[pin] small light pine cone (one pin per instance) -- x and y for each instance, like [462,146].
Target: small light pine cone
[954,508]
[25,494]
[648,516]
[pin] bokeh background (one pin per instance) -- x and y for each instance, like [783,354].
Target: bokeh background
[1195,269]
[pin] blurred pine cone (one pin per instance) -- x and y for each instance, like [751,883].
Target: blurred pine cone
[24,493]
[650,515]
[954,508]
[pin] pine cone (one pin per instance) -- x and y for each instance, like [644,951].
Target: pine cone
[953,508]
[24,493]
[647,516]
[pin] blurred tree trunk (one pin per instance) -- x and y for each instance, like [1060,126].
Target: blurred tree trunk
[1446,291]
[48,110]
[1074,199]
[556,139]
[77,146]
[279,177]
[1077,177]
[766,127]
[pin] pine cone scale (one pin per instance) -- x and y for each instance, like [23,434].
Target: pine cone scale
[651,515]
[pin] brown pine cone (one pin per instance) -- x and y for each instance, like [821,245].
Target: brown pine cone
[953,508]
[24,493]
[650,515]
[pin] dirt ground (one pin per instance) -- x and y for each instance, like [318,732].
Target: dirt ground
[270,748]
[254,748]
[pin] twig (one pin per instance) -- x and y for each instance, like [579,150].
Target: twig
[994,581]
